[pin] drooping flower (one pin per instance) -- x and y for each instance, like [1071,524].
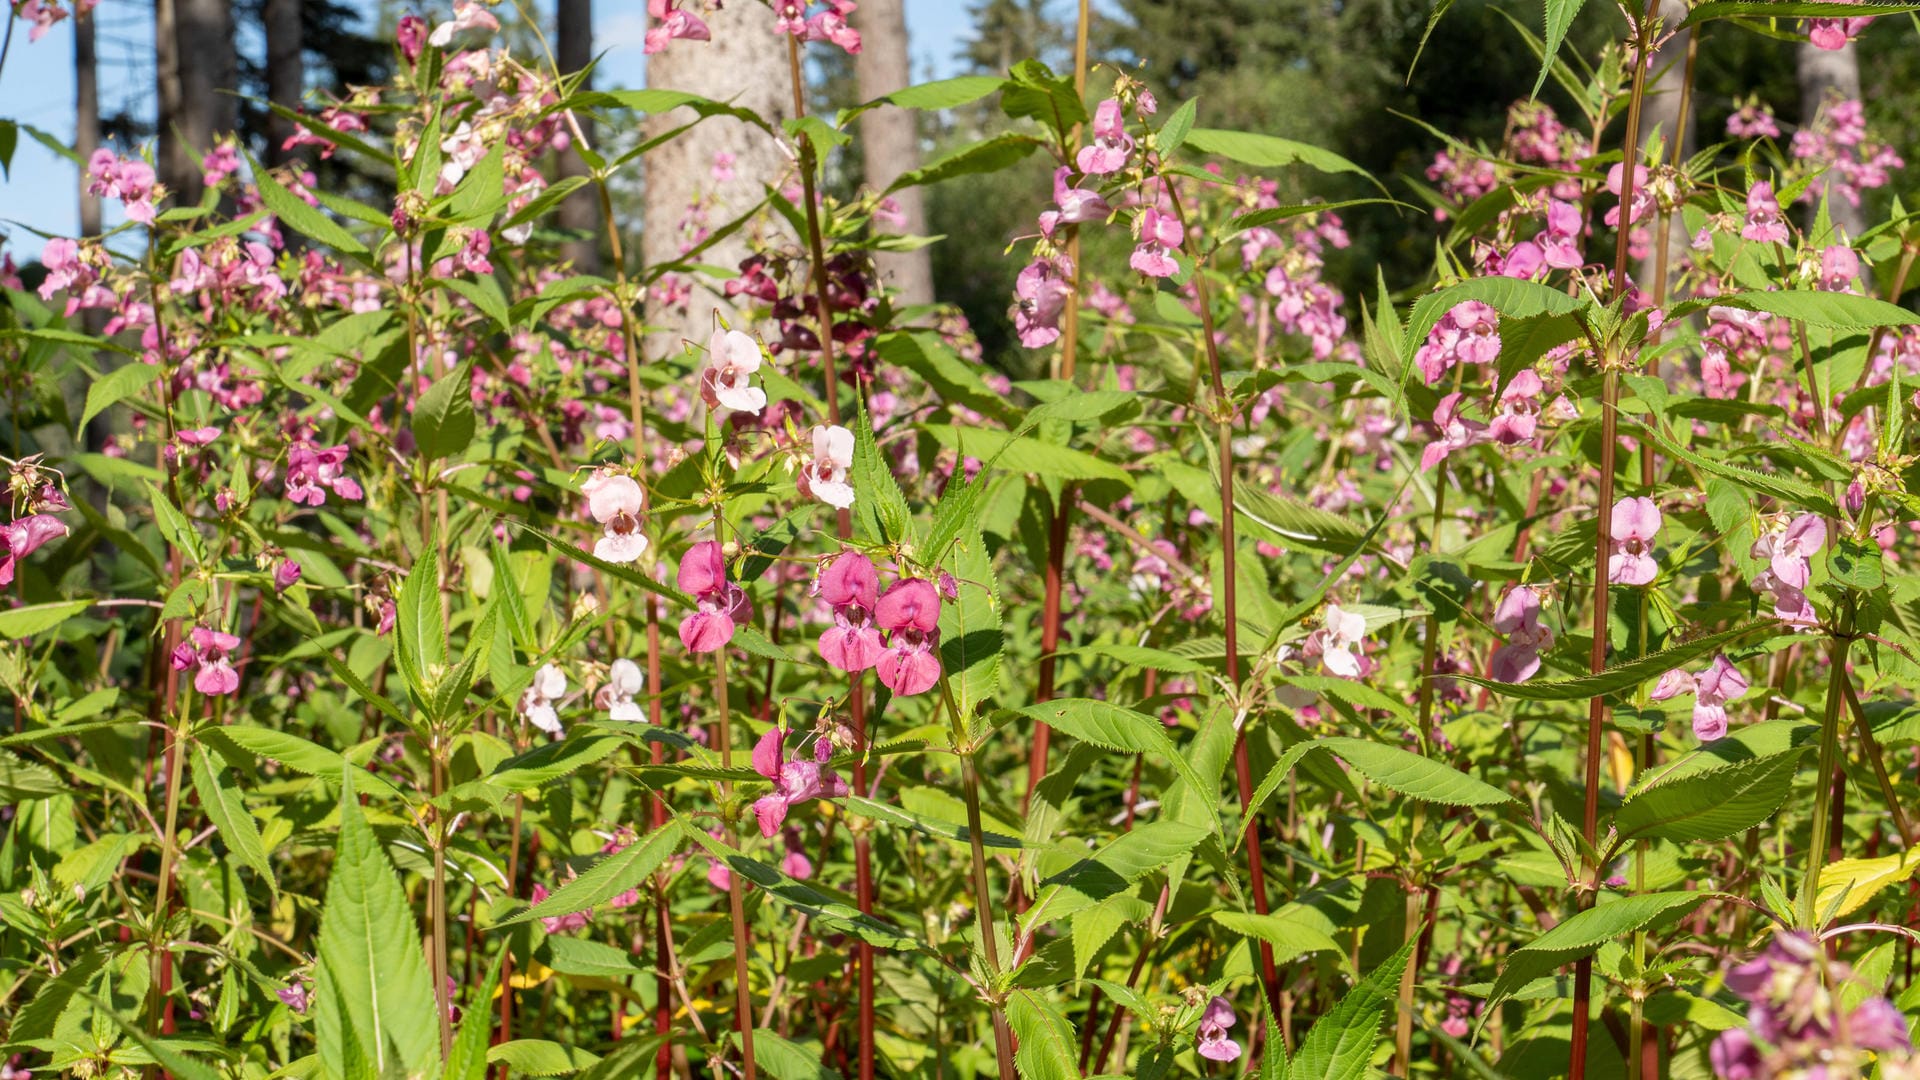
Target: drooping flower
[1455,432]
[1469,333]
[1642,197]
[1833,34]
[286,574]
[794,781]
[560,924]
[23,537]
[1789,552]
[675,23]
[1560,243]
[206,651]
[721,605]
[1635,522]
[410,34]
[825,476]
[467,15]
[1765,224]
[831,25]
[313,470]
[1111,145]
[1040,293]
[851,587]
[1711,690]
[1519,415]
[732,358]
[1518,617]
[1160,237]
[1839,267]
[1072,205]
[625,682]
[1338,643]
[910,615]
[1211,1040]
[538,703]
[616,501]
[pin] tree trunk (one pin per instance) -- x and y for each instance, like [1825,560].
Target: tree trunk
[1826,74]
[86,125]
[1661,114]
[203,32]
[173,163]
[580,211]
[746,64]
[891,142]
[286,73]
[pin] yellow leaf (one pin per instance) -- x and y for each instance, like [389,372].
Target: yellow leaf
[535,974]
[1852,882]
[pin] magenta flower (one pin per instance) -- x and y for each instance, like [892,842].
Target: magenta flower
[616,501]
[910,614]
[1765,225]
[1789,551]
[1040,296]
[1519,415]
[1111,145]
[1635,521]
[1469,333]
[560,924]
[1455,432]
[130,180]
[831,25]
[1160,236]
[1211,1041]
[467,15]
[285,575]
[732,358]
[1833,34]
[312,471]
[825,477]
[23,537]
[674,24]
[794,782]
[1518,617]
[851,587]
[1711,690]
[1560,244]
[721,605]
[411,34]
[1072,205]
[206,651]
[1839,267]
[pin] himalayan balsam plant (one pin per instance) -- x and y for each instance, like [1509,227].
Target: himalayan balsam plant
[1503,674]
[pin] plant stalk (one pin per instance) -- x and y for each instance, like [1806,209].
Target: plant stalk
[1829,759]
[437,899]
[736,889]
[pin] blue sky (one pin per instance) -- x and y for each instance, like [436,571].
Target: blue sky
[36,88]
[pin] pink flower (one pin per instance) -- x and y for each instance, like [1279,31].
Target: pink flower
[1788,551]
[1518,617]
[1764,225]
[1839,266]
[1211,1040]
[285,575]
[832,26]
[23,537]
[1560,244]
[467,15]
[1469,333]
[411,35]
[1635,521]
[1833,34]
[675,23]
[721,605]
[206,650]
[825,477]
[625,682]
[732,358]
[795,863]
[1111,145]
[1642,198]
[910,614]
[1519,413]
[43,14]
[1456,432]
[851,587]
[1041,293]
[560,924]
[1073,205]
[790,17]
[539,704]
[1338,643]
[1712,689]
[1160,236]
[794,782]
[616,501]
[312,471]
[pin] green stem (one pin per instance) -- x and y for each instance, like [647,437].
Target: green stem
[1828,761]
[984,920]
[180,740]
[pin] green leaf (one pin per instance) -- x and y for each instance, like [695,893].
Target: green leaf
[20,622]
[1511,298]
[1341,1044]
[443,417]
[1112,870]
[1034,90]
[370,981]
[878,503]
[420,637]
[1020,454]
[784,1059]
[1173,134]
[1620,677]
[1838,311]
[609,877]
[1047,1047]
[1290,936]
[944,93]
[958,381]
[538,1057]
[1114,727]
[297,754]
[116,386]
[1295,523]
[985,156]
[1711,804]
[1787,9]
[1585,932]
[1412,775]
[228,812]
[1560,15]
[1857,565]
[1787,489]
[971,635]
[831,913]
[1268,151]
[294,212]
[21,780]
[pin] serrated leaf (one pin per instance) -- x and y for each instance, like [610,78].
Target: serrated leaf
[1112,870]
[1290,937]
[1046,1049]
[1560,15]
[538,1057]
[1620,677]
[878,504]
[1846,885]
[1585,932]
[443,422]
[1711,804]
[988,155]
[608,878]
[16,623]
[294,213]
[1022,454]
[1341,1044]
[116,386]
[1268,151]
[228,812]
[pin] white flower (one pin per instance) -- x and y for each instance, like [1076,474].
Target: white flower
[537,704]
[625,681]
[732,358]
[616,502]
[825,477]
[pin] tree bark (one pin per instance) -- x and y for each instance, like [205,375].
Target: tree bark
[286,73]
[1661,114]
[203,32]
[86,125]
[746,64]
[1825,74]
[580,211]
[891,141]
[174,164]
